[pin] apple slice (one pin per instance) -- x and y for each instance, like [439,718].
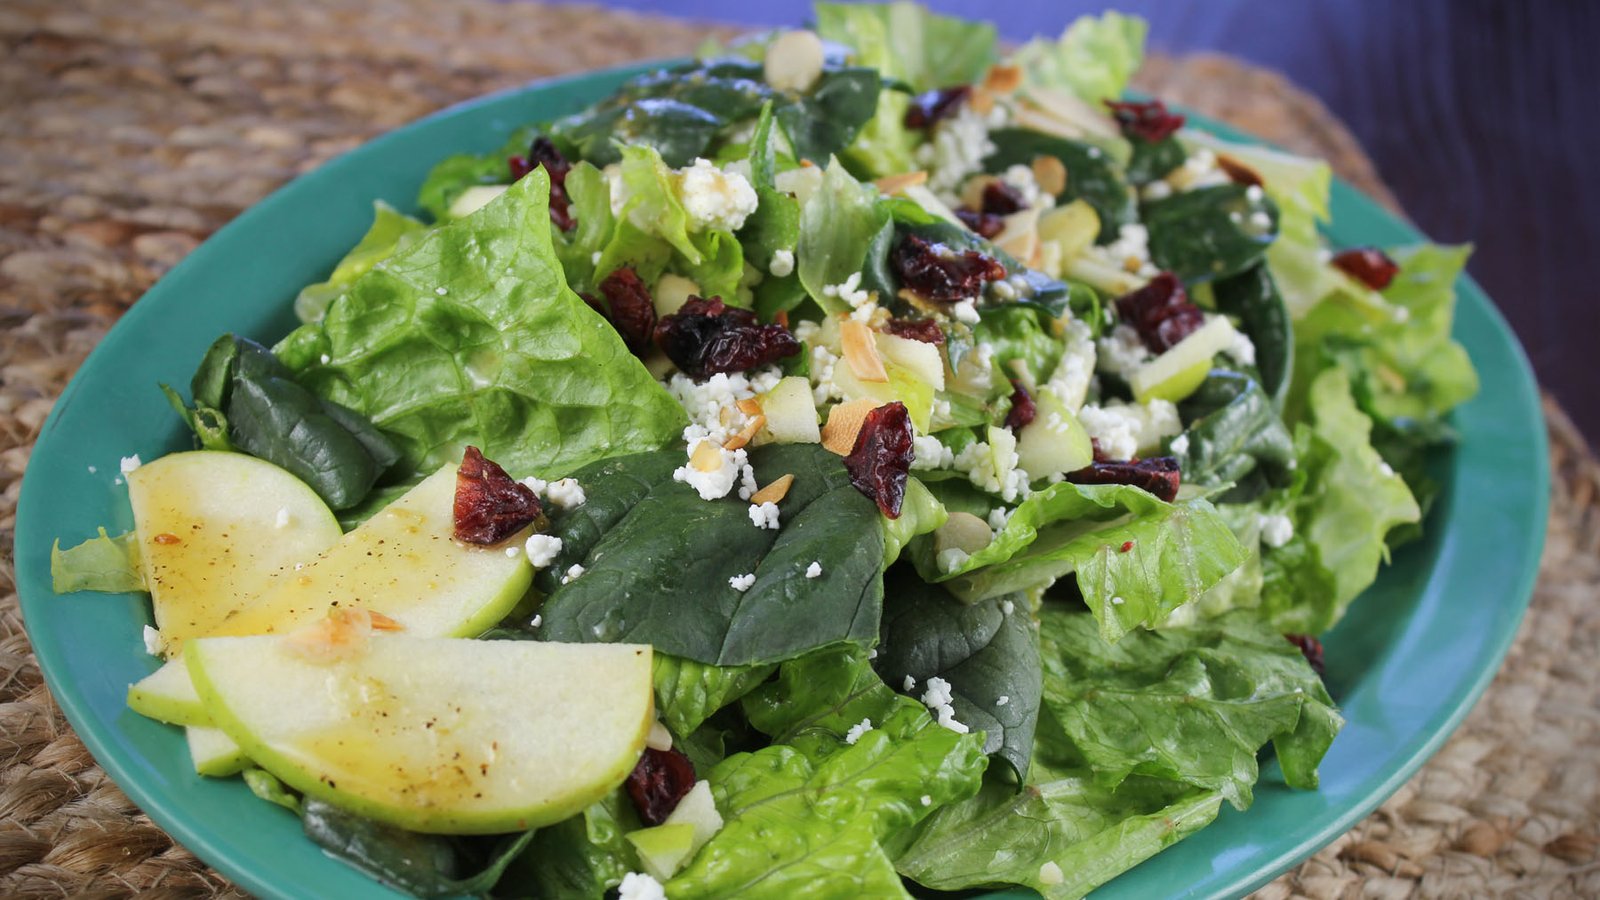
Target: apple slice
[212,525]
[923,360]
[1055,442]
[791,412]
[1176,373]
[168,695]
[405,563]
[663,849]
[215,755]
[438,735]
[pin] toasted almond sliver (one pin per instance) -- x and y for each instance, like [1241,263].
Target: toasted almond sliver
[750,406]
[1051,174]
[707,457]
[773,492]
[894,184]
[1238,172]
[844,425]
[981,101]
[1003,79]
[755,424]
[861,351]
[782,318]
[381,622]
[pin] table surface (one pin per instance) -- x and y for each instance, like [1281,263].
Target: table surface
[1480,115]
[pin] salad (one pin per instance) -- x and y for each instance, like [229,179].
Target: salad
[853,462]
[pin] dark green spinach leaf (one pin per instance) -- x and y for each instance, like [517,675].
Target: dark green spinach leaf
[1210,232]
[1234,430]
[1091,173]
[424,865]
[580,858]
[1252,297]
[1152,160]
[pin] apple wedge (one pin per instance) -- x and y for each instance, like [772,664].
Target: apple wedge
[403,562]
[437,735]
[214,754]
[168,695]
[210,524]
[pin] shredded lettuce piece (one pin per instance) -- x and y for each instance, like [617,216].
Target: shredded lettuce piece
[1094,57]
[391,230]
[103,563]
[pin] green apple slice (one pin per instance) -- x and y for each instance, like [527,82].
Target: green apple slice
[699,809]
[1176,373]
[919,358]
[903,385]
[437,735]
[1055,442]
[168,695]
[212,525]
[475,198]
[664,848]
[215,755]
[403,562]
[791,412]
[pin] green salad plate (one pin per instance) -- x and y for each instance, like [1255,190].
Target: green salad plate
[1406,664]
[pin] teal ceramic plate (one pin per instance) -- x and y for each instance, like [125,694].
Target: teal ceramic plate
[1406,664]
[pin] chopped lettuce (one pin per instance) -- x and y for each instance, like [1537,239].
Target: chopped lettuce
[1093,58]
[391,230]
[837,225]
[451,177]
[688,692]
[103,563]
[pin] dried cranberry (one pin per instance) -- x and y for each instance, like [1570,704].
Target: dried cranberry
[658,782]
[1311,649]
[1368,265]
[629,309]
[924,330]
[1161,312]
[705,337]
[1238,172]
[543,152]
[941,273]
[927,109]
[1001,199]
[1157,475]
[1150,120]
[489,505]
[1023,409]
[986,225]
[881,459]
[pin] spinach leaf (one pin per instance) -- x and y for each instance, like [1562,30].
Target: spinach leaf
[470,336]
[1090,831]
[987,651]
[1178,551]
[688,692]
[424,865]
[1208,233]
[1191,704]
[580,858]
[1091,174]
[1152,160]
[657,561]
[817,698]
[1233,431]
[103,563]
[1252,297]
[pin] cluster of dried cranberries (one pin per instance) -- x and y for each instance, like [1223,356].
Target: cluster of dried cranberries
[1161,312]
[628,308]
[999,200]
[925,330]
[1368,265]
[1158,475]
[489,505]
[880,462]
[658,782]
[1310,648]
[705,337]
[544,153]
[1023,409]
[927,109]
[940,273]
[1149,120]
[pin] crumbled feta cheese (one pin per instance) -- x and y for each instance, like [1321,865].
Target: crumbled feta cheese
[1123,429]
[1254,193]
[129,463]
[1070,380]
[1002,700]
[441,290]
[957,150]
[742,583]
[154,644]
[998,517]
[966,311]
[927,800]
[715,484]
[782,264]
[1243,350]
[910,684]
[1117,601]
[951,559]
[1200,170]
[594,258]
[823,387]
[638,886]
[1260,221]
[1133,242]
[947,719]
[1180,444]
[566,493]
[573,573]
[325,358]
[764,515]
[872,653]
[715,198]
[1007,607]
[747,483]
[542,549]
[857,730]
[512,551]
[537,485]
[282,520]
[850,291]
[1157,190]
[536,621]
[992,472]
[1021,179]
[814,570]
[938,693]
[1276,529]
[1385,468]
[1050,874]
[1122,352]
[928,452]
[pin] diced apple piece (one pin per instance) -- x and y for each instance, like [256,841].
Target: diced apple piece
[403,562]
[475,198]
[921,359]
[902,385]
[215,755]
[1055,442]
[1176,373]
[437,735]
[1002,450]
[212,526]
[168,695]
[663,849]
[698,808]
[1071,228]
[791,412]
[672,292]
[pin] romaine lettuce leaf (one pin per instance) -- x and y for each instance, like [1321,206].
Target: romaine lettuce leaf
[391,230]
[472,336]
[689,692]
[837,224]
[103,563]
[1093,58]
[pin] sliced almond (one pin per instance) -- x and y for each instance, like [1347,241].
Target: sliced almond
[894,184]
[861,351]
[980,100]
[749,430]
[381,622]
[782,318]
[794,61]
[844,425]
[773,492]
[749,406]
[1051,174]
[707,457]
[1238,172]
[1003,79]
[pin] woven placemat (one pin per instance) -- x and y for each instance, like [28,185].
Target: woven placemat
[131,129]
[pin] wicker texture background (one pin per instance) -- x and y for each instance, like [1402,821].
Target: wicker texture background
[130,130]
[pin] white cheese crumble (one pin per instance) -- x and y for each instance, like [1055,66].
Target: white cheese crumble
[1157,190]
[566,493]
[1385,469]
[325,358]
[1117,601]
[1007,607]
[927,800]
[1123,429]
[1070,380]
[850,291]
[1180,444]
[960,143]
[1254,193]
[1122,352]
[715,198]
[782,263]
[1021,179]
[998,517]
[764,515]
[537,485]
[154,644]
[928,452]
[1243,350]
[129,463]
[1050,874]
[542,549]
[814,570]
[282,520]
[910,684]
[1276,529]
[742,583]
[512,551]
[966,311]
[937,698]
[1002,700]
[639,886]
[1201,170]
[536,621]
[951,559]
[573,573]
[715,484]
[857,730]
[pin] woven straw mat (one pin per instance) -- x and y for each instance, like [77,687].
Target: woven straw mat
[130,130]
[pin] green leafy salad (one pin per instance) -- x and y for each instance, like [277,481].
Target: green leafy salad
[873,462]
